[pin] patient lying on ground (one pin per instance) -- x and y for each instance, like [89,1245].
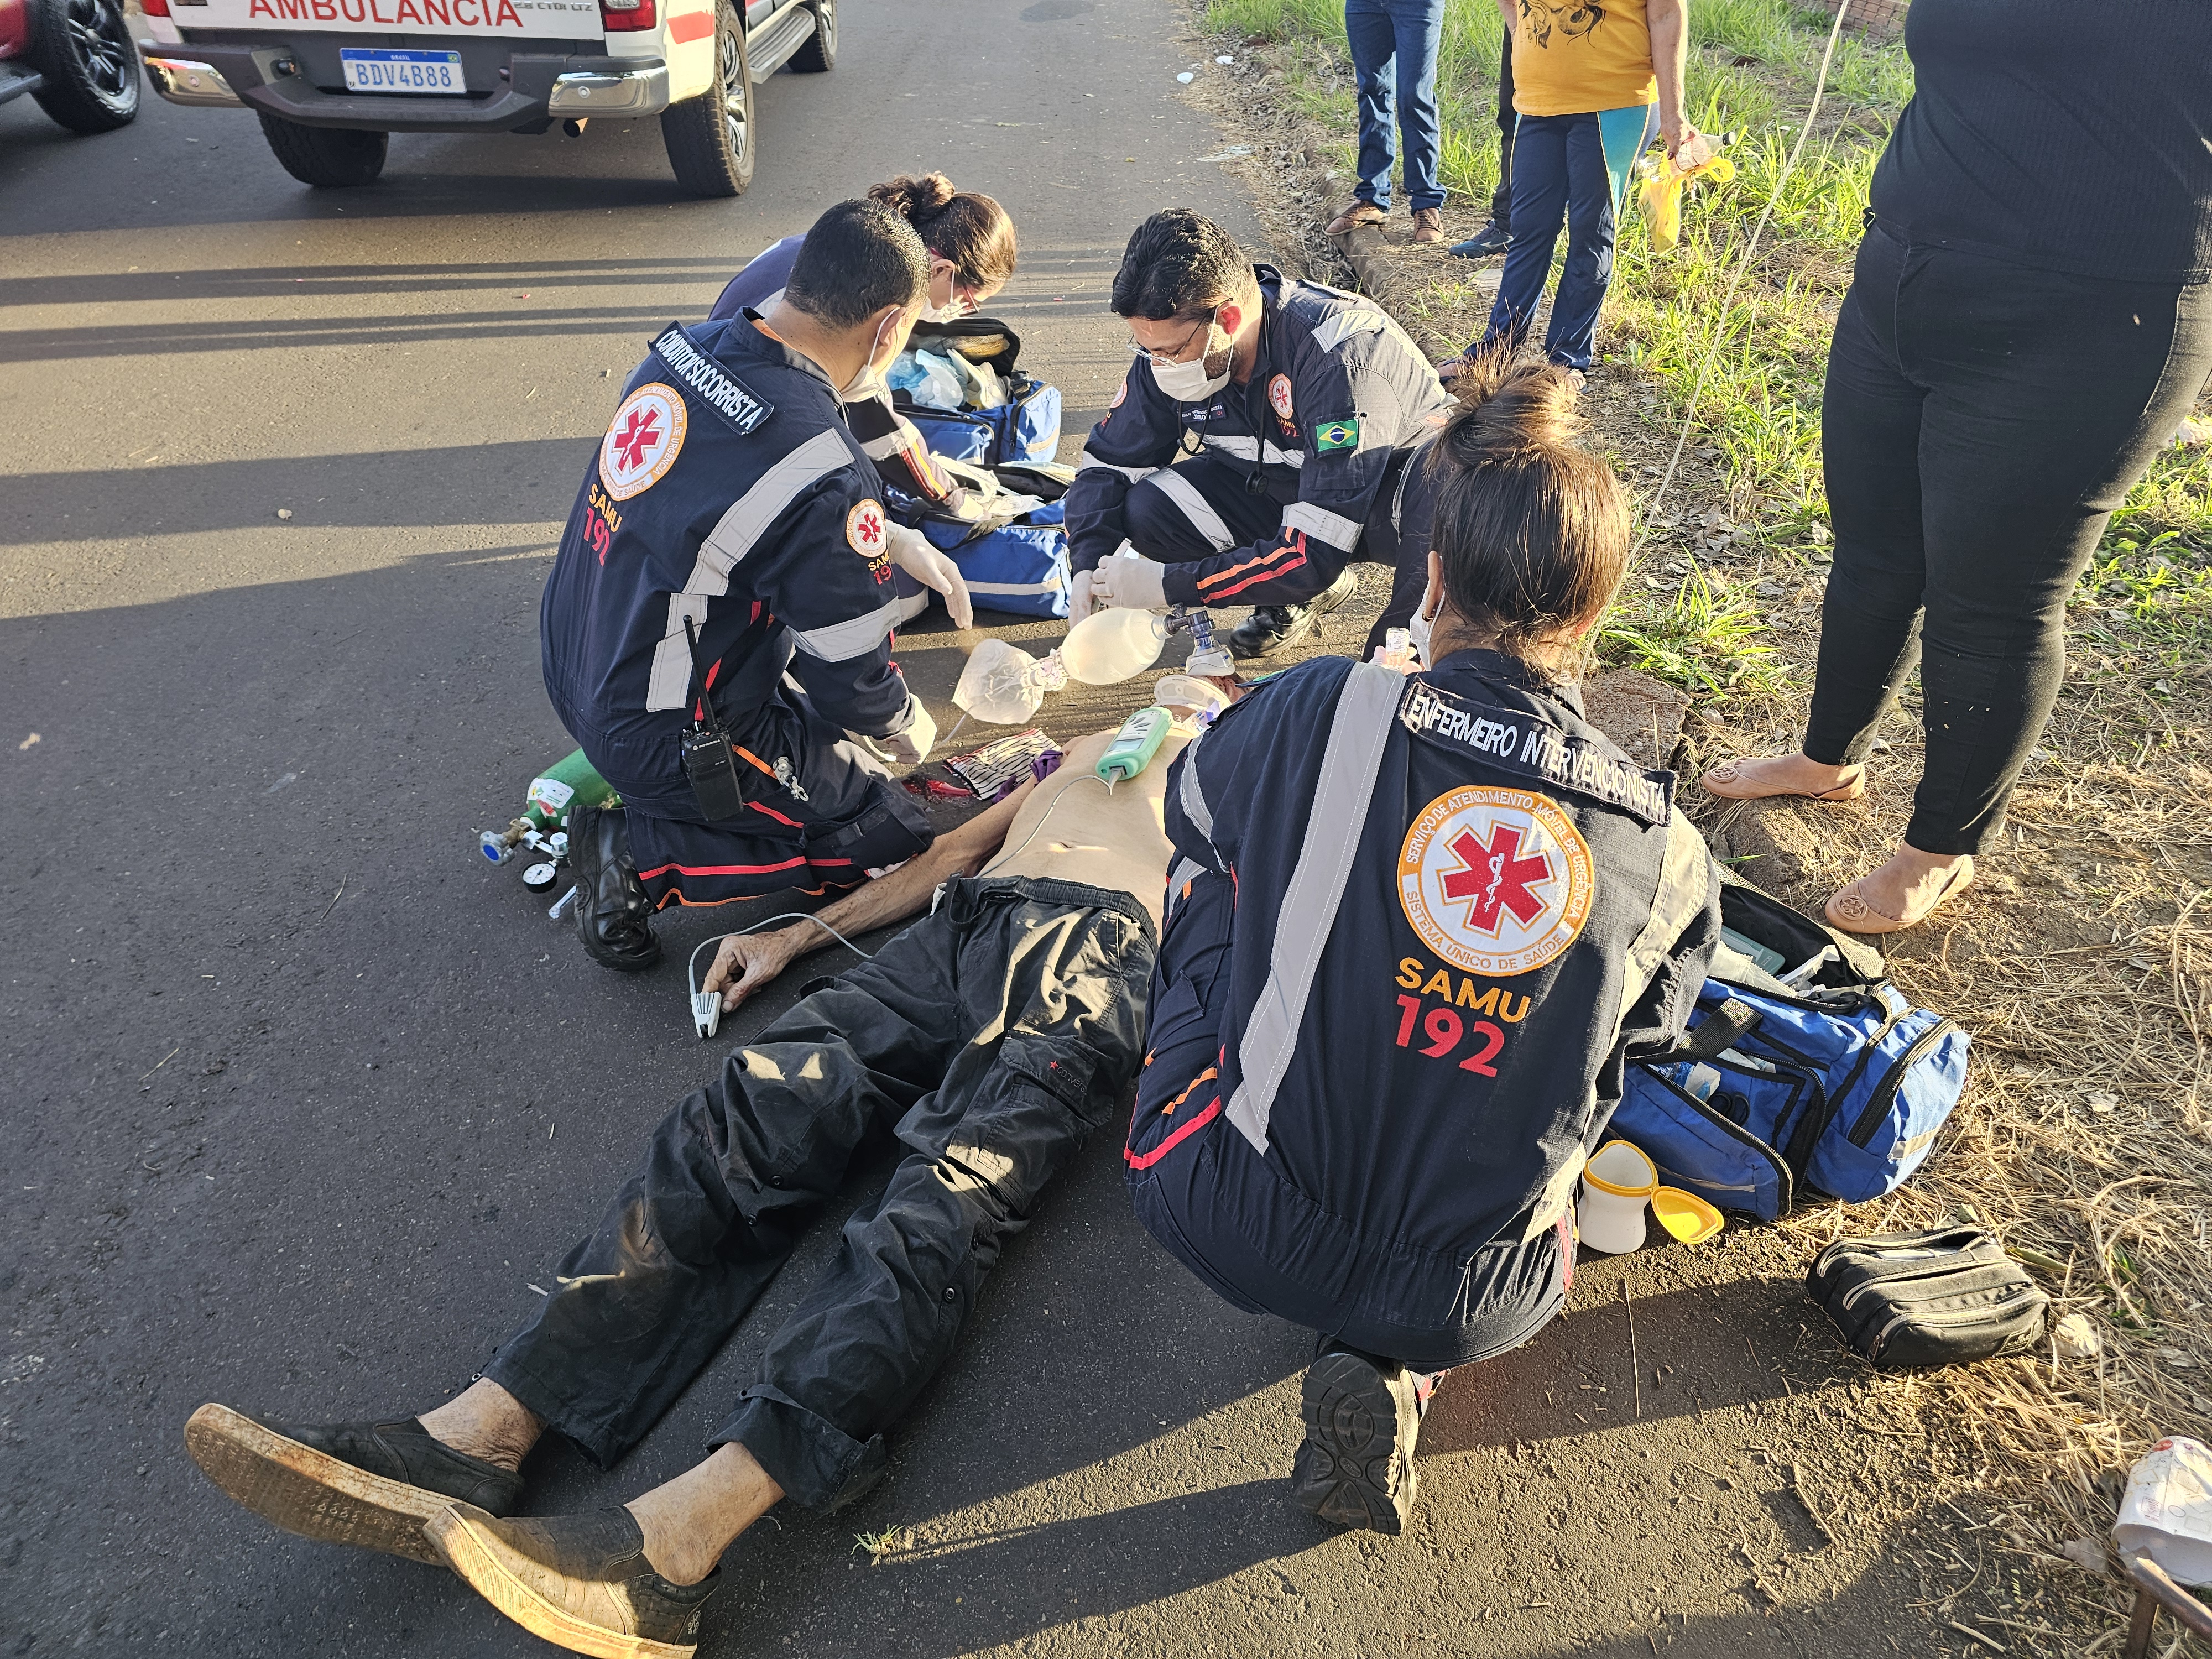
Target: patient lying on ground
[991,1037]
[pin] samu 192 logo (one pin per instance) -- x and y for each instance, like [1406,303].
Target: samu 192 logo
[642,440]
[1496,881]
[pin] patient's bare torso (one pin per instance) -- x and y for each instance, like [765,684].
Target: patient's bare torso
[1110,840]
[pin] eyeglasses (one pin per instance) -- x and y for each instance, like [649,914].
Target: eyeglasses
[1158,361]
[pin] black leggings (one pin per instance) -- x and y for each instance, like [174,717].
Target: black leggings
[1981,421]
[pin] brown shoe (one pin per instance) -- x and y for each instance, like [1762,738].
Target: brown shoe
[1428,224]
[1849,910]
[1357,212]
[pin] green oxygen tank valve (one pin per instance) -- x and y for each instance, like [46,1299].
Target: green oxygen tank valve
[1135,743]
[571,782]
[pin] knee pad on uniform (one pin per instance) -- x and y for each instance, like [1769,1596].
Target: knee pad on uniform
[890,831]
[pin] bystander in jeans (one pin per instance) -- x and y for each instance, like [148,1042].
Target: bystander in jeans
[1393,59]
[1588,86]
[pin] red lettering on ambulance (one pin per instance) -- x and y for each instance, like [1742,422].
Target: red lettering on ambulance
[408,13]
[507,14]
[260,8]
[439,12]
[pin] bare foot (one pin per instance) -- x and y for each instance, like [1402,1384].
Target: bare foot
[1906,890]
[485,1420]
[690,1521]
[1784,774]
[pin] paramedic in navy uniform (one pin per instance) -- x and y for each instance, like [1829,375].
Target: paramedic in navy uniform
[729,501]
[1415,926]
[1256,447]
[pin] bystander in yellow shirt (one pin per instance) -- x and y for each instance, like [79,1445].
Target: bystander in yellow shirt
[1583,55]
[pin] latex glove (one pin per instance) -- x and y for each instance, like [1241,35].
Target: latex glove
[915,554]
[911,747]
[1130,581]
[1080,601]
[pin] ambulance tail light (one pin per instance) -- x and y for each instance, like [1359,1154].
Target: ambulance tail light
[615,15]
[154,8]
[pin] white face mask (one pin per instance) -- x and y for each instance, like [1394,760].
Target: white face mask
[1189,383]
[869,382]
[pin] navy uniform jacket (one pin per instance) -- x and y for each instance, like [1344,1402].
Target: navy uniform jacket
[1338,388]
[1453,920]
[727,490]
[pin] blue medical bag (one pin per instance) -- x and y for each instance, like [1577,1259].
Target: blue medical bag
[1837,1086]
[1025,427]
[1021,567]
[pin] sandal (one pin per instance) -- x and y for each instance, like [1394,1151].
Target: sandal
[1849,909]
[1357,212]
[1719,780]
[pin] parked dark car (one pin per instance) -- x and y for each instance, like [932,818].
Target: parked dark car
[74,57]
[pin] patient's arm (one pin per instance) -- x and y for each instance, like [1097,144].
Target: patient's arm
[748,960]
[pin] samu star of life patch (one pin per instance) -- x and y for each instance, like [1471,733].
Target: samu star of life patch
[1495,881]
[866,531]
[642,440]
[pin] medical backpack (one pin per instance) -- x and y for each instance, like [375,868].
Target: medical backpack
[1025,427]
[1790,1082]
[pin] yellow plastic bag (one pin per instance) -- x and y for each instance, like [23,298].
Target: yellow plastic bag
[1663,195]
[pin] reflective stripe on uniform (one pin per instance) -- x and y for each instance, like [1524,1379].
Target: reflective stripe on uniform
[1357,737]
[1685,878]
[1133,474]
[1195,507]
[852,638]
[1190,797]
[728,542]
[1252,449]
[1332,527]
[1333,331]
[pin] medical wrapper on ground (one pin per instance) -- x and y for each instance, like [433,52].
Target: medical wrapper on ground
[1838,1090]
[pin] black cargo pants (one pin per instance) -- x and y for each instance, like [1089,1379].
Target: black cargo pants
[994,1034]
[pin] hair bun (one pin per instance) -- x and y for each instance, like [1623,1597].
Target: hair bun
[914,198]
[1509,406]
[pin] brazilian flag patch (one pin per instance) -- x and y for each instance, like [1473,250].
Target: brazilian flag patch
[1329,436]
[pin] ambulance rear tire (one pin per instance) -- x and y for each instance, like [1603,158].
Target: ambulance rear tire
[820,52]
[709,138]
[329,158]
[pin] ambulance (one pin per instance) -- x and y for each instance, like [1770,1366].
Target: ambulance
[331,80]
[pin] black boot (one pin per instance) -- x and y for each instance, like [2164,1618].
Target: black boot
[614,918]
[1271,628]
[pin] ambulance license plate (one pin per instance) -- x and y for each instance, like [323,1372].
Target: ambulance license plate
[402,72]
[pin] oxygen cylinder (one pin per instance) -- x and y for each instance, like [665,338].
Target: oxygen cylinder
[570,782]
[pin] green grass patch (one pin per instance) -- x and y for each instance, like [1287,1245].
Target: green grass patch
[1751,69]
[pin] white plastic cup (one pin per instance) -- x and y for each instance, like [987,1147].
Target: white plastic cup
[2166,1513]
[1617,1184]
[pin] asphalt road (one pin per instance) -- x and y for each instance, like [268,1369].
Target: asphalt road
[301,1096]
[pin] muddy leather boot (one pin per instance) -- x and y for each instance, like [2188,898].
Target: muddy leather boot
[614,918]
